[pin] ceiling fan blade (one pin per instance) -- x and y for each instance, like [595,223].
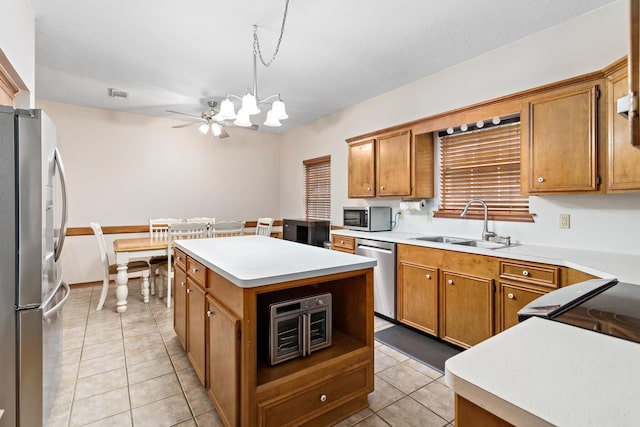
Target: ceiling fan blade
[184,114]
[223,134]
[184,125]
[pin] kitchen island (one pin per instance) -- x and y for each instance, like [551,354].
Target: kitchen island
[222,290]
[541,373]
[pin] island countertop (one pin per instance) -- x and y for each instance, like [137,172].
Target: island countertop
[250,261]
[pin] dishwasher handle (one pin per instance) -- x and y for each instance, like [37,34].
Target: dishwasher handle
[374,249]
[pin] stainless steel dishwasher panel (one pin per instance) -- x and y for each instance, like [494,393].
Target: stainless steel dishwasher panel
[384,274]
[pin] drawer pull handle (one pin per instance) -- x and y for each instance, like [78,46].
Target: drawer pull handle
[179,258]
[525,273]
[428,276]
[450,282]
[195,270]
[323,398]
[342,242]
[540,179]
[511,296]
[382,187]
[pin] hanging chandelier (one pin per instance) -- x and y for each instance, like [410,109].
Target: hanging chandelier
[251,100]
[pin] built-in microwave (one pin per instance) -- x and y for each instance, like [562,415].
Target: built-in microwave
[298,327]
[367,218]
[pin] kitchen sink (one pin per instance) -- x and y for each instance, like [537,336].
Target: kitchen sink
[442,239]
[481,244]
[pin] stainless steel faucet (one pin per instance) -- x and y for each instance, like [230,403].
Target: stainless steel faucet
[486,234]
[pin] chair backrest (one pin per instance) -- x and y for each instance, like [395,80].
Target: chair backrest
[185,230]
[102,248]
[264,226]
[226,229]
[201,219]
[159,228]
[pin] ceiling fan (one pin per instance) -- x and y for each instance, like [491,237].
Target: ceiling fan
[210,120]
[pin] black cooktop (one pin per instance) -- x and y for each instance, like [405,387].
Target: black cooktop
[614,311]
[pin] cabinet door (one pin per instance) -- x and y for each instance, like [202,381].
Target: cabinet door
[559,142]
[196,328]
[513,298]
[634,71]
[393,176]
[418,297]
[361,175]
[180,306]
[467,304]
[624,172]
[224,361]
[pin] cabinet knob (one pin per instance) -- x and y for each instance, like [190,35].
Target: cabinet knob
[323,398]
[179,258]
[525,273]
[382,187]
[368,188]
[195,270]
[182,284]
[540,179]
[210,313]
[450,282]
[428,276]
[511,296]
[342,242]
[189,291]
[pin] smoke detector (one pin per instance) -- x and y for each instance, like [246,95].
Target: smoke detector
[117,93]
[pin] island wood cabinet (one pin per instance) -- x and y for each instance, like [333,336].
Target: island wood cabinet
[180,303]
[320,389]
[196,317]
[394,164]
[560,141]
[623,160]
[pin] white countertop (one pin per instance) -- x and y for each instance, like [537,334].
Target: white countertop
[542,372]
[606,265]
[250,261]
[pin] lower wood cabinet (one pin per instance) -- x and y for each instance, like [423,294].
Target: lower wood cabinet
[467,308]
[513,298]
[343,243]
[223,361]
[196,327]
[418,296]
[180,305]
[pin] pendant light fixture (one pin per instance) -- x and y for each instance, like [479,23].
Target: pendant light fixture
[251,100]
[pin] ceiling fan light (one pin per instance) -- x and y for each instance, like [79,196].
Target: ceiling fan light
[216,129]
[249,104]
[204,128]
[243,119]
[227,110]
[278,110]
[271,120]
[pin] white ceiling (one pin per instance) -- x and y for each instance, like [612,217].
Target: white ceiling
[335,53]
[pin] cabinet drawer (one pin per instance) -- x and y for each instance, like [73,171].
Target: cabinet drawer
[302,405]
[180,258]
[543,275]
[197,271]
[344,243]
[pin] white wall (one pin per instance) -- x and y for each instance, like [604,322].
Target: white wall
[17,33]
[585,44]
[127,168]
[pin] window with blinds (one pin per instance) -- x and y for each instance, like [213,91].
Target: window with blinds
[317,188]
[485,165]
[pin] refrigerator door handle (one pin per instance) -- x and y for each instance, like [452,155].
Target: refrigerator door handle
[53,310]
[63,187]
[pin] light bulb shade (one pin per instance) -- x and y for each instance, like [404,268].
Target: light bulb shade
[242,119]
[204,128]
[249,104]
[271,120]
[227,110]
[278,111]
[216,129]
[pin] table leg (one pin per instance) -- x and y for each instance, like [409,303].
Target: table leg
[122,278]
[145,286]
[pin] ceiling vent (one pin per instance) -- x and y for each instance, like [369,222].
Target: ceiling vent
[117,93]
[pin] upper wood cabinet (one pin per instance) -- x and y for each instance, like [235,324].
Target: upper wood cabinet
[560,141]
[634,72]
[362,169]
[395,164]
[624,159]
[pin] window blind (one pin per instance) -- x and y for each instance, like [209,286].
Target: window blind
[485,165]
[317,188]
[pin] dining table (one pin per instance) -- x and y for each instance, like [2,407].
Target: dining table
[130,248]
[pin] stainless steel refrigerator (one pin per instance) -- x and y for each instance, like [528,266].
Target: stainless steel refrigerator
[33,212]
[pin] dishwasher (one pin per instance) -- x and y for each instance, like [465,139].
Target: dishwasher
[384,274]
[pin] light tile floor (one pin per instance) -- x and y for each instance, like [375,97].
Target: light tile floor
[129,369]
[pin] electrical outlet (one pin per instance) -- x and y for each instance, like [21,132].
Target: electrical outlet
[565,221]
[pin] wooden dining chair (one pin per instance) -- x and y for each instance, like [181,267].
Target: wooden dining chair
[159,229]
[264,226]
[177,232]
[134,268]
[226,229]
